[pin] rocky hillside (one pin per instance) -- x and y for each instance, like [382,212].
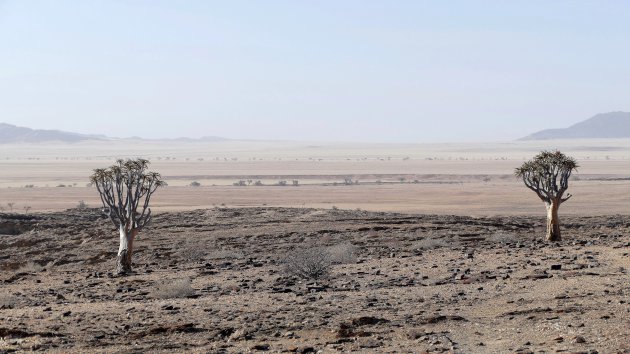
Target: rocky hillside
[602,126]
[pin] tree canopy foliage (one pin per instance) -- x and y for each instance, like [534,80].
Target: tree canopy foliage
[125,189]
[548,174]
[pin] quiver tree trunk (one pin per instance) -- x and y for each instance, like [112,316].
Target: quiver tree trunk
[125,250]
[547,174]
[553,223]
[125,190]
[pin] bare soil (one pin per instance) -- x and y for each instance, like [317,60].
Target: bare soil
[417,283]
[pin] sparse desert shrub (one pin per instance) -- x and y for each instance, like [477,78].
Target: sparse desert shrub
[7,301]
[82,205]
[193,253]
[195,184]
[29,186]
[343,253]
[26,209]
[500,237]
[258,183]
[282,183]
[30,267]
[310,263]
[171,289]
[240,183]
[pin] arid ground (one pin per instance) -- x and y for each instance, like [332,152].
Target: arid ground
[437,248]
[403,283]
[462,179]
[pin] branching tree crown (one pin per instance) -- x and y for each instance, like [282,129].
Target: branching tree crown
[125,190]
[547,174]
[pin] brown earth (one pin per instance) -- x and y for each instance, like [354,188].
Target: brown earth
[401,283]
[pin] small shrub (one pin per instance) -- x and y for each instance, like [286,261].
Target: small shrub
[311,263]
[177,288]
[193,253]
[30,267]
[499,237]
[7,301]
[195,184]
[82,205]
[343,253]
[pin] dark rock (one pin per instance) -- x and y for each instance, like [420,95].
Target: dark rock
[262,347]
[579,339]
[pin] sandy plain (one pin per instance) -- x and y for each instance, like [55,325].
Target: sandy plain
[462,179]
[442,247]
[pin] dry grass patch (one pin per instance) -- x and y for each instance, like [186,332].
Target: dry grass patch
[172,289]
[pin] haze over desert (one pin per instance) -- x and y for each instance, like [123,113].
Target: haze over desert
[277,176]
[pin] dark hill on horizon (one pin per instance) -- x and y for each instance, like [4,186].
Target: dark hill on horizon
[11,134]
[603,126]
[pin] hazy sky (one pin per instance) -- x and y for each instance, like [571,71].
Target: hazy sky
[409,71]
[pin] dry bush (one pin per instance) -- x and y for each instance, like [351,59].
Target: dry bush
[177,288]
[192,253]
[82,205]
[7,301]
[310,263]
[30,267]
[343,253]
[500,237]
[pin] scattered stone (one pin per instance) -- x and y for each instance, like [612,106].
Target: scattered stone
[579,339]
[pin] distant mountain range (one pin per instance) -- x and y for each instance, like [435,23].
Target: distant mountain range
[602,126]
[13,134]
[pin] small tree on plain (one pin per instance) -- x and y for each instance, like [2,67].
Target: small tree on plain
[125,190]
[547,174]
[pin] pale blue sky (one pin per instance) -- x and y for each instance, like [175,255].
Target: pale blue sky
[389,71]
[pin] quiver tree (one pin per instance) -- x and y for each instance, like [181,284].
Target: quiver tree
[547,174]
[126,189]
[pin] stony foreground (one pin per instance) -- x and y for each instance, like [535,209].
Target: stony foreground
[216,281]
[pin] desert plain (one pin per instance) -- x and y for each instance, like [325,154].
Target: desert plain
[436,248]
